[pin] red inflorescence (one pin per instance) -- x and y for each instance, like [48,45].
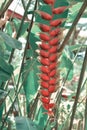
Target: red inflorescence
[50,37]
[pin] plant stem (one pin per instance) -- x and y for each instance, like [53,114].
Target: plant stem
[22,64]
[5,8]
[78,89]
[73,25]
[23,3]
[19,30]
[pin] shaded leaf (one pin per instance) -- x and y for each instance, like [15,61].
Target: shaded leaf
[6,67]
[23,123]
[4,76]
[66,64]
[31,81]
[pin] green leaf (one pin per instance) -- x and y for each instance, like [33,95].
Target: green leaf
[76,47]
[74,11]
[6,70]
[31,81]
[5,66]
[41,118]
[13,43]
[67,65]
[8,28]
[23,123]
[4,76]
[33,39]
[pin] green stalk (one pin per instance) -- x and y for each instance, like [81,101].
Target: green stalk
[78,89]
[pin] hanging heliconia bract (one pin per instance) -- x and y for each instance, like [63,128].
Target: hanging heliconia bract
[50,37]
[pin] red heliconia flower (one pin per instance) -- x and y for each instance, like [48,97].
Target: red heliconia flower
[44,77]
[44,37]
[53,49]
[44,84]
[44,69]
[44,93]
[54,41]
[50,36]
[44,27]
[57,22]
[53,65]
[44,15]
[51,105]
[59,10]
[53,81]
[45,61]
[52,88]
[53,73]
[50,2]
[53,57]
[46,106]
[55,32]
[44,46]
[45,99]
[44,53]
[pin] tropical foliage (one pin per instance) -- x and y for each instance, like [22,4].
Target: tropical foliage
[20,82]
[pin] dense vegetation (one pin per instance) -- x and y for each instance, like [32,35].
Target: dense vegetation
[21,103]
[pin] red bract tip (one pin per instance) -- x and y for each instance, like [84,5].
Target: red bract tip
[53,66]
[53,57]
[45,61]
[44,53]
[52,89]
[44,37]
[46,106]
[44,28]
[53,49]
[53,73]
[44,15]
[45,99]
[60,10]
[55,32]
[56,22]
[44,46]
[54,41]
[44,69]
[44,77]
[51,105]
[44,93]
[50,113]
[50,2]
[44,84]
[53,81]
